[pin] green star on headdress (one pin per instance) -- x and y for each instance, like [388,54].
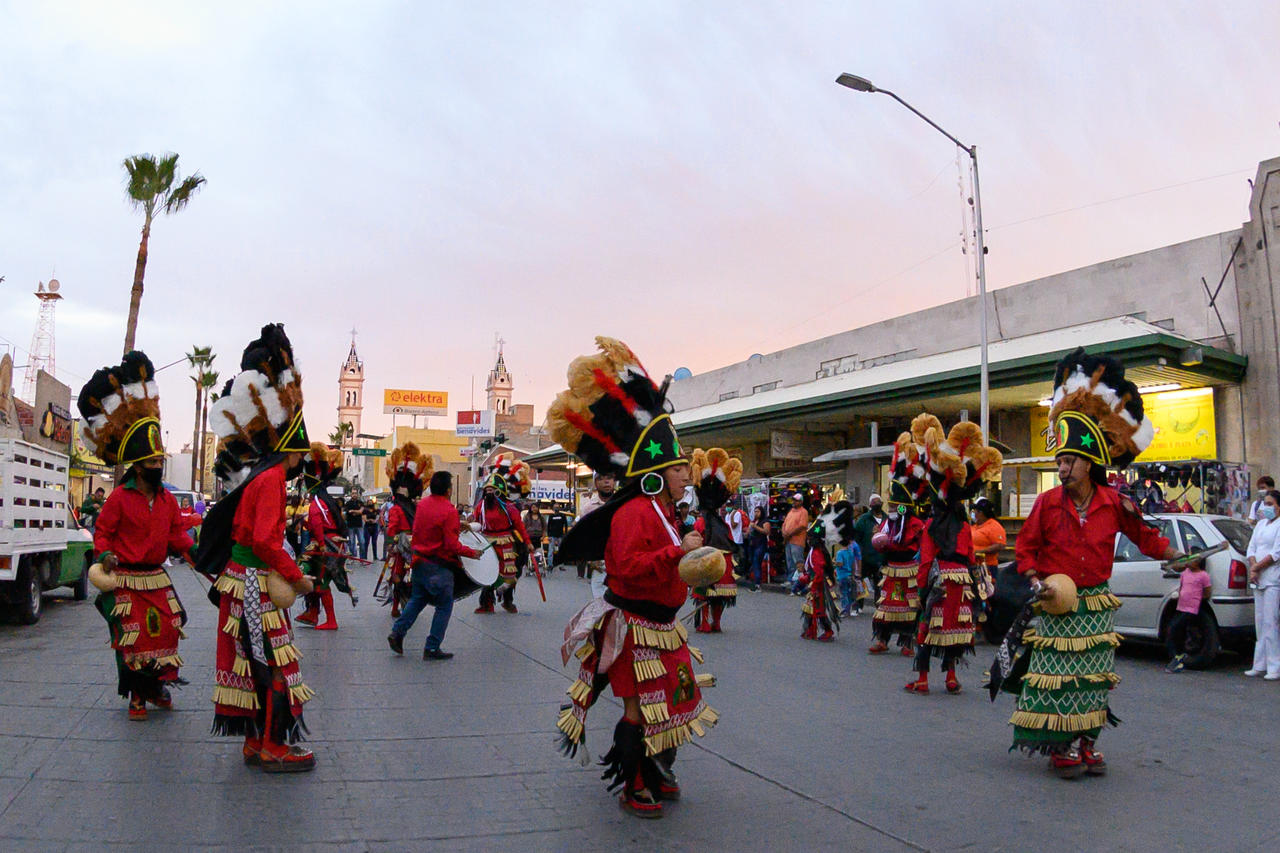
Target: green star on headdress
[653,448]
[1086,440]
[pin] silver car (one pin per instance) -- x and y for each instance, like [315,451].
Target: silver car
[1150,596]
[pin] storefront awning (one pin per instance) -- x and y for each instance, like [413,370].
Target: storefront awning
[1020,369]
[547,457]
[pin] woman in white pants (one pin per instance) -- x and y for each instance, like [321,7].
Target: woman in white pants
[1264,571]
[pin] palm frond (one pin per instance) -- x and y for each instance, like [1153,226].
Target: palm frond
[181,195]
[141,184]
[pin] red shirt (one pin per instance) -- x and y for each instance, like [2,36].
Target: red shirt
[500,519]
[435,531]
[138,531]
[904,550]
[397,522]
[259,522]
[1054,541]
[643,552]
[321,520]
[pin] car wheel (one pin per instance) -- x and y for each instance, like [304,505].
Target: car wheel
[80,589]
[1200,641]
[28,593]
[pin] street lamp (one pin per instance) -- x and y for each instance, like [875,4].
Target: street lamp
[862,84]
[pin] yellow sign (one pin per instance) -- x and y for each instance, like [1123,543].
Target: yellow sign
[1184,422]
[399,401]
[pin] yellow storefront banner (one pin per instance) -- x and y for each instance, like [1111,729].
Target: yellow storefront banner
[1184,422]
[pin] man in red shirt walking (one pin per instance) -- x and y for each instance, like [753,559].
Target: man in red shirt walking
[436,550]
[139,526]
[1098,420]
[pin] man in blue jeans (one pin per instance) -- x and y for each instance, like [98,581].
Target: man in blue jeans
[436,553]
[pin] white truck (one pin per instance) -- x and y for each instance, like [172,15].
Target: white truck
[41,545]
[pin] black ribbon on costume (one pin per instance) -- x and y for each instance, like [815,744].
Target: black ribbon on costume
[650,610]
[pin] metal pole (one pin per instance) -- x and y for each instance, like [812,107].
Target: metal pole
[984,379]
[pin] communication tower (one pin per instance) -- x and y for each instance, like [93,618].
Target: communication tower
[43,349]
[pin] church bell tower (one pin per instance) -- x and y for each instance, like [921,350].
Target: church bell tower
[499,386]
[350,393]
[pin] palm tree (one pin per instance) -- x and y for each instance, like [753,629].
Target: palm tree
[209,381]
[340,435]
[198,360]
[153,187]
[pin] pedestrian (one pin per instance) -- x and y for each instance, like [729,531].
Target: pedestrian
[1194,588]
[259,693]
[353,516]
[606,484]
[137,528]
[536,526]
[557,524]
[91,508]
[436,553]
[988,541]
[1064,702]
[1265,484]
[1264,577]
[737,521]
[794,526]
[294,521]
[370,514]
[849,576]
[864,527]
[757,546]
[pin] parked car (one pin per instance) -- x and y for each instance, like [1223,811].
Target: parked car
[1149,595]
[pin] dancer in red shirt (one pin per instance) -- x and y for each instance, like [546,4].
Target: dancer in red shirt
[408,470]
[614,418]
[324,561]
[715,476]
[1063,700]
[139,526]
[258,692]
[957,468]
[500,522]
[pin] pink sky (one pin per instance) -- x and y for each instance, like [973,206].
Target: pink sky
[687,177]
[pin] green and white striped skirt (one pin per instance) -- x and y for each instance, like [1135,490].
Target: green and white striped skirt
[1070,674]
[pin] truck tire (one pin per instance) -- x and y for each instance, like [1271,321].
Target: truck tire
[27,589]
[80,589]
[1198,640]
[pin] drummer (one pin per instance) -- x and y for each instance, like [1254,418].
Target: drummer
[436,553]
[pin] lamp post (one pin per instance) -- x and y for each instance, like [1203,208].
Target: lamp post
[862,84]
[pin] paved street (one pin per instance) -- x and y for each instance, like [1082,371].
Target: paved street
[818,747]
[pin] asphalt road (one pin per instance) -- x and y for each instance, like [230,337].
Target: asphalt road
[818,748]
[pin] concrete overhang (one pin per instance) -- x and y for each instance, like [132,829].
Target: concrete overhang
[1020,369]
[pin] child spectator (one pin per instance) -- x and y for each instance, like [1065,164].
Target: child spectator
[848,576]
[1193,588]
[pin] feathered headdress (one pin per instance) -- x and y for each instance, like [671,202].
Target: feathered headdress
[519,482]
[907,471]
[409,468]
[1096,413]
[715,475]
[121,411]
[959,466]
[260,410]
[613,417]
[321,464]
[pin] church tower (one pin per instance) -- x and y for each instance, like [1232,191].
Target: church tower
[499,386]
[350,392]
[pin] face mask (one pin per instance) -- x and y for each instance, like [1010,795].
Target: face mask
[893,514]
[1267,511]
[151,476]
[290,473]
[877,510]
